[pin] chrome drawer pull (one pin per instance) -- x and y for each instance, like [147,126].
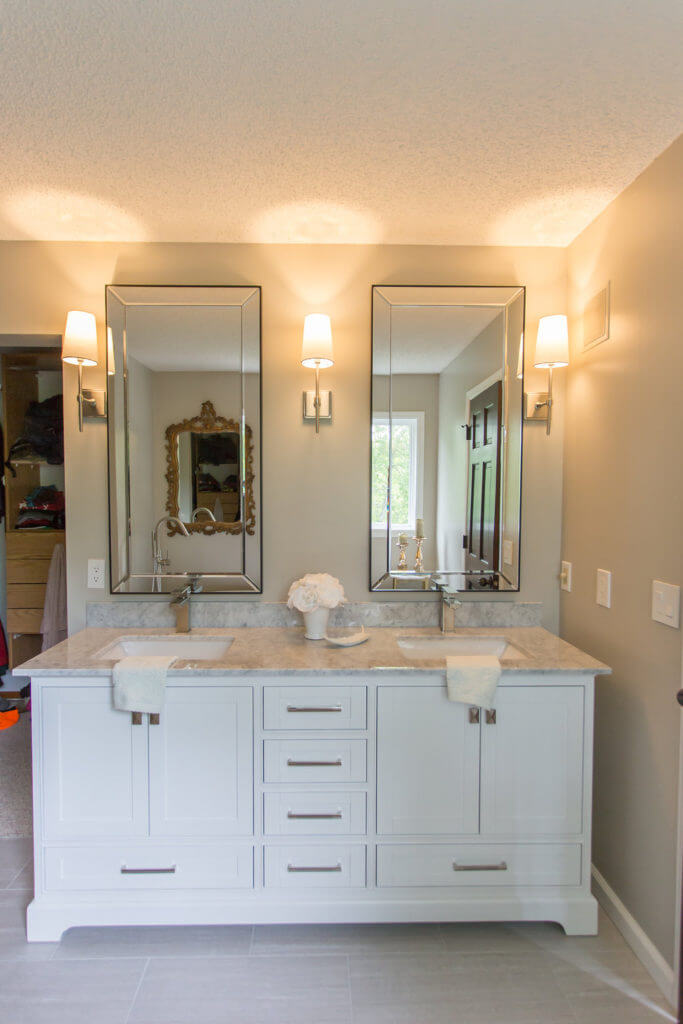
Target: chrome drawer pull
[293,868]
[148,871]
[490,716]
[293,709]
[312,817]
[480,867]
[314,764]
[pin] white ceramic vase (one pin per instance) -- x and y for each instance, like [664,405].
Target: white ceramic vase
[315,623]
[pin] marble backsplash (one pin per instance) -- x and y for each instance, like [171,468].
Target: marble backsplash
[218,614]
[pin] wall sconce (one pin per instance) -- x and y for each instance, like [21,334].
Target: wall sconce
[79,347]
[316,352]
[552,352]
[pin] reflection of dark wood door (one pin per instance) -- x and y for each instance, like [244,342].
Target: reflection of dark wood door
[483,500]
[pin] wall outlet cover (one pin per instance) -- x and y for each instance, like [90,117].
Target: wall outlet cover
[566,577]
[95,574]
[508,550]
[666,603]
[603,588]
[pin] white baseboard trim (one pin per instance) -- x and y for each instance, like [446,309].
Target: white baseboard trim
[652,960]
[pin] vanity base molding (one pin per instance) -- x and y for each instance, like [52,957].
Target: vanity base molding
[49,917]
[312,798]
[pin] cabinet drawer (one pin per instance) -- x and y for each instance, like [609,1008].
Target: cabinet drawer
[32,543]
[314,707]
[448,864]
[320,814]
[24,620]
[310,867]
[314,760]
[149,866]
[25,595]
[27,570]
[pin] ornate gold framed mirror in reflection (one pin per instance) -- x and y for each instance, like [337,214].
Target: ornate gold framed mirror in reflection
[205,472]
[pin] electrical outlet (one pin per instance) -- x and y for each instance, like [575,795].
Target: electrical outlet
[566,577]
[666,603]
[95,574]
[508,552]
[603,588]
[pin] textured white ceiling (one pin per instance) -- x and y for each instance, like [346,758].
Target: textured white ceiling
[390,121]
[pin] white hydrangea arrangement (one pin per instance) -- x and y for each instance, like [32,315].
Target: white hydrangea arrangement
[315,590]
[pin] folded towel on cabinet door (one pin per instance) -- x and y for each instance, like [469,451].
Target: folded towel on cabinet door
[473,679]
[140,682]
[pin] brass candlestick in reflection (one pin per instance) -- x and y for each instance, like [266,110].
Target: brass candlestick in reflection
[402,545]
[419,541]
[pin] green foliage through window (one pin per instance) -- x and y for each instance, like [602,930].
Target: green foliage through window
[402,475]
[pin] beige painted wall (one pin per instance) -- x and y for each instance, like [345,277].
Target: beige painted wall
[315,488]
[623,488]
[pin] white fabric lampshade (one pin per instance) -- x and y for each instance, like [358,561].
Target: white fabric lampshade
[552,342]
[79,344]
[317,345]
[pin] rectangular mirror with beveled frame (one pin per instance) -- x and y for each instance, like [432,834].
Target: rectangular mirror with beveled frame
[446,437]
[184,423]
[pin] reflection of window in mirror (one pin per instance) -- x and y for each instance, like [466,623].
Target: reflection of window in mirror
[407,476]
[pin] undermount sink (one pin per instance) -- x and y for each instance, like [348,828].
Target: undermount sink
[189,648]
[443,646]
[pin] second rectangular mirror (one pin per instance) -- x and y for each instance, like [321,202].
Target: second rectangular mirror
[447,369]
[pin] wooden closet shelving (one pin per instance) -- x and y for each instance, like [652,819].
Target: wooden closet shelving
[27,376]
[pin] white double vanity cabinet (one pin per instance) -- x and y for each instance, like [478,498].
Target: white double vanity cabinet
[342,787]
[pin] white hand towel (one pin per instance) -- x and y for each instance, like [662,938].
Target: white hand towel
[473,679]
[140,682]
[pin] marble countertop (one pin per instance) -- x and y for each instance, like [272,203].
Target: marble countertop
[285,651]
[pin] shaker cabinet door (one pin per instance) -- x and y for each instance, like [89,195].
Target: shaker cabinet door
[427,763]
[94,765]
[201,762]
[532,762]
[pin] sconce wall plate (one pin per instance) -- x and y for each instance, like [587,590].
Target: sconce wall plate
[325,406]
[94,404]
[536,405]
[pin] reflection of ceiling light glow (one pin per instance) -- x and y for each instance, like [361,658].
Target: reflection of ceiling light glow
[551,220]
[315,223]
[54,216]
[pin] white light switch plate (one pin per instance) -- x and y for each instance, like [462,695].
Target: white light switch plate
[507,552]
[666,603]
[95,574]
[566,577]
[603,588]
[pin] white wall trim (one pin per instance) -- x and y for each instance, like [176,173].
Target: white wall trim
[652,960]
[482,386]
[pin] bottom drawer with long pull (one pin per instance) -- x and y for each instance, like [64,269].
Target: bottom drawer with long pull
[448,864]
[145,866]
[314,760]
[308,867]
[318,814]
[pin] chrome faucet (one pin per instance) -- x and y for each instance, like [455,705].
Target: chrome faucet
[181,604]
[203,508]
[160,560]
[449,606]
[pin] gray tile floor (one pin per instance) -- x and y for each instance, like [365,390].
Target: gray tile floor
[336,974]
